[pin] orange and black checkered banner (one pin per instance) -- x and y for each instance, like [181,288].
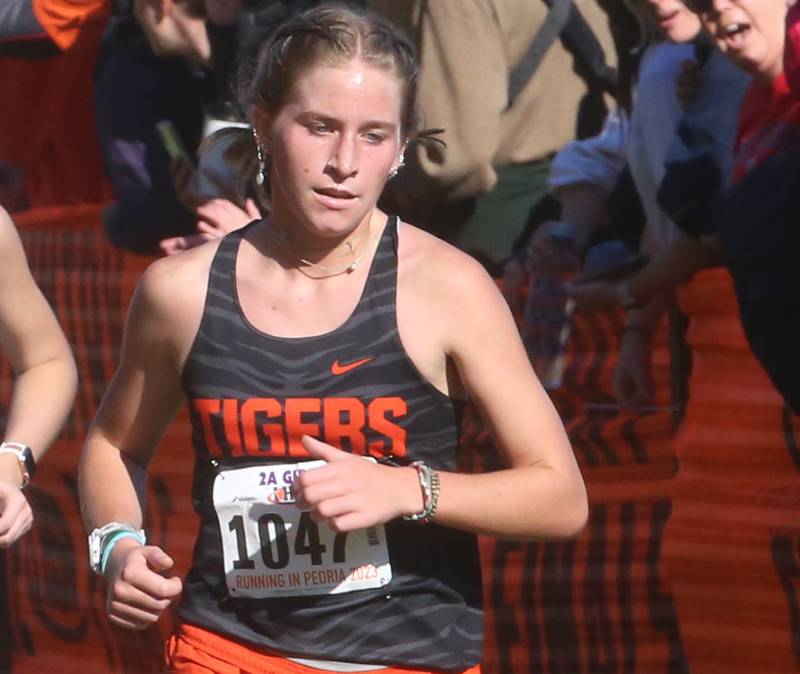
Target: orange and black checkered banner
[732,543]
[677,571]
[47,115]
[599,603]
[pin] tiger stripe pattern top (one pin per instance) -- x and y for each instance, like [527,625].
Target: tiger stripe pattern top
[251,397]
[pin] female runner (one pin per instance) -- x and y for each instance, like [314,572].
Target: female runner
[306,344]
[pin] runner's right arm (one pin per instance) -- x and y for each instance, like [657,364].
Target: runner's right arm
[139,403]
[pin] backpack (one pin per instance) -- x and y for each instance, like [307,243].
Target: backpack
[564,20]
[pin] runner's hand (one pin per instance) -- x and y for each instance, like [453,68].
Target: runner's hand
[16,516]
[350,493]
[138,592]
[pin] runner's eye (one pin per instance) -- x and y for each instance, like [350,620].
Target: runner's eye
[319,128]
[375,137]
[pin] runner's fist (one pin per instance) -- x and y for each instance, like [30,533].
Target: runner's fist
[351,493]
[138,589]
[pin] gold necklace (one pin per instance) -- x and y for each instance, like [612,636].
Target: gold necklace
[350,267]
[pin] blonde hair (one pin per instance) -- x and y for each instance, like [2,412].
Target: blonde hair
[329,35]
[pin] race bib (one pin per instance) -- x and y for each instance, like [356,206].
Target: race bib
[273,549]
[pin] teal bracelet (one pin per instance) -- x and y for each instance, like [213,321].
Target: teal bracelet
[108,546]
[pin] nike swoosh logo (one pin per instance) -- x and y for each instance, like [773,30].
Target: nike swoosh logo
[337,368]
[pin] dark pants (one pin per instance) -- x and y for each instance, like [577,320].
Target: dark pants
[491,226]
[502,219]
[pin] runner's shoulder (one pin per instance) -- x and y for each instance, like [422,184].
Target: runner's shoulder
[438,268]
[174,284]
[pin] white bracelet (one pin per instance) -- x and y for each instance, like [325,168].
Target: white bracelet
[108,546]
[101,538]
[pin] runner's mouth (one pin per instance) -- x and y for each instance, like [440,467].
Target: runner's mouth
[334,193]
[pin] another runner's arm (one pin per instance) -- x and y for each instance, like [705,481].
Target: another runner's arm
[541,495]
[40,356]
[139,403]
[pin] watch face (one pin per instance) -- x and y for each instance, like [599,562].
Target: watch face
[96,544]
[30,463]
[94,549]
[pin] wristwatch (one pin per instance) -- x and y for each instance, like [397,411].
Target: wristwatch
[27,464]
[100,538]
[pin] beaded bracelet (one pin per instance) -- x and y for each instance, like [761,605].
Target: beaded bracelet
[430,486]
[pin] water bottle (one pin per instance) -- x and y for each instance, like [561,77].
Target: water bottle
[548,315]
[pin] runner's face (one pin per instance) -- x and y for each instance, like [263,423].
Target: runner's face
[749,32]
[672,18]
[332,146]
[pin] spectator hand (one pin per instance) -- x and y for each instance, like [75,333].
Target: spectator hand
[16,516]
[353,493]
[549,253]
[177,244]
[632,382]
[138,593]
[594,295]
[223,12]
[688,81]
[220,216]
[217,218]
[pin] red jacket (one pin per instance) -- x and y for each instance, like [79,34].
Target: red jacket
[792,53]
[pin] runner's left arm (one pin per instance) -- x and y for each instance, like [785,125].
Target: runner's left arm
[540,495]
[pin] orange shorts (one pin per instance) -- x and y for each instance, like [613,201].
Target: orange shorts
[194,650]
